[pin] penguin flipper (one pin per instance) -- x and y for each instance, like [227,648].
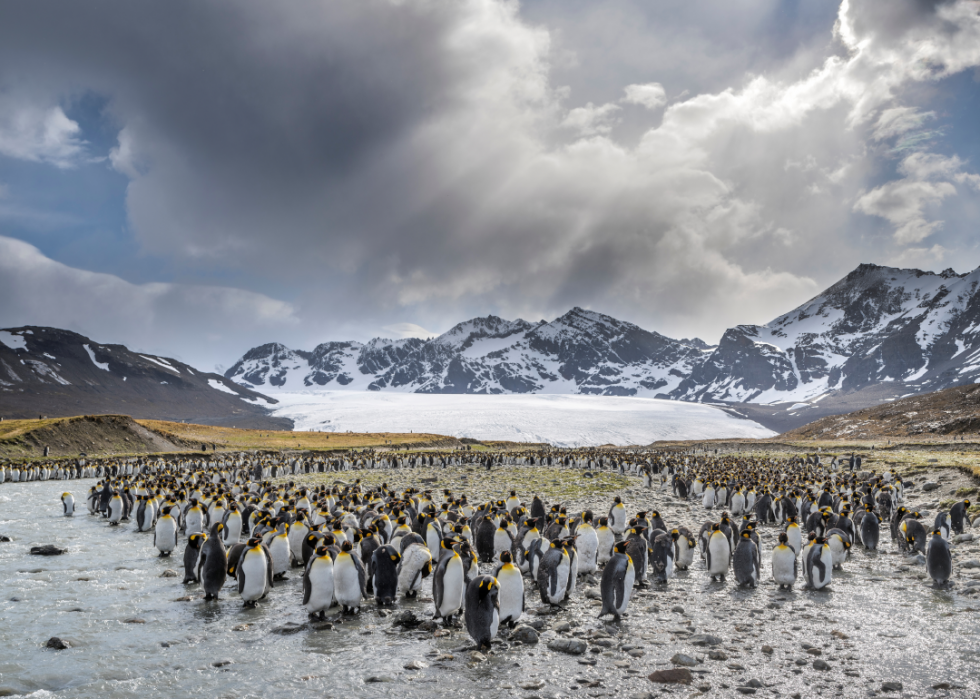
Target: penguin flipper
[241,581]
[268,568]
[307,587]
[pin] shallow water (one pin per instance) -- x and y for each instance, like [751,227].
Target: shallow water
[899,628]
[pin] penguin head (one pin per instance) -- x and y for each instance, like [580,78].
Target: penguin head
[620,546]
[347,547]
[746,534]
[675,534]
[505,557]
[966,503]
[783,538]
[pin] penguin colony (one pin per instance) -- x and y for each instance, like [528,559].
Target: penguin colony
[352,544]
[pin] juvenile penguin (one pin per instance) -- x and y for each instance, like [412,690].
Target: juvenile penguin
[254,572]
[511,593]
[745,562]
[165,534]
[191,555]
[553,573]
[448,583]
[67,503]
[718,553]
[939,561]
[870,530]
[385,567]
[784,563]
[819,565]
[482,610]
[212,568]
[318,583]
[617,583]
[349,579]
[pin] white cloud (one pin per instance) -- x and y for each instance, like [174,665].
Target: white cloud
[37,134]
[649,95]
[406,330]
[898,120]
[591,119]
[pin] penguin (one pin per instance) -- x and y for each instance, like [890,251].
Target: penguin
[448,583]
[617,581]
[485,536]
[606,539]
[942,523]
[939,561]
[553,574]
[684,548]
[870,529]
[318,583]
[794,535]
[349,579]
[785,565]
[587,545]
[533,556]
[233,526]
[915,535]
[280,551]
[194,518]
[115,509]
[254,572]
[819,564]
[957,516]
[67,503]
[212,567]
[840,545]
[637,549]
[385,566]
[191,555]
[503,540]
[537,508]
[144,514]
[482,610]
[414,566]
[745,561]
[718,553]
[617,517]
[569,547]
[165,535]
[511,593]
[708,497]
[661,556]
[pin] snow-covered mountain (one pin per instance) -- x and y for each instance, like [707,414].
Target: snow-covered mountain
[918,331]
[898,331]
[47,371]
[580,352]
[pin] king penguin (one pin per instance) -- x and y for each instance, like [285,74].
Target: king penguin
[67,502]
[745,562]
[606,539]
[819,564]
[165,534]
[254,572]
[718,553]
[617,583]
[587,545]
[784,563]
[553,573]
[939,562]
[191,555]
[684,548]
[511,593]
[957,516]
[447,583]
[385,578]
[617,517]
[318,583]
[212,568]
[349,579]
[482,610]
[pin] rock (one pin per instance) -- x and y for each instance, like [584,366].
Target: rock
[972,563]
[223,662]
[718,655]
[47,550]
[962,538]
[814,651]
[532,684]
[942,685]
[536,624]
[635,653]
[288,629]
[737,667]
[429,625]
[919,559]
[705,639]
[572,646]
[767,650]
[757,684]
[416,665]
[376,679]
[891,686]
[241,627]
[563,628]
[684,660]
[677,675]
[745,690]
[477,657]
[677,609]
[819,664]
[592,593]
[134,620]
[4,538]
[407,619]
[929,486]
[525,634]
[839,634]
[169,573]
[58,643]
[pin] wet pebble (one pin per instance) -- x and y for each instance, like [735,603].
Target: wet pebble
[891,686]
[169,573]
[525,634]
[572,646]
[47,550]
[819,664]
[684,660]
[58,643]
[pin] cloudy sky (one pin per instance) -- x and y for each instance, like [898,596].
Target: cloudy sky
[193,178]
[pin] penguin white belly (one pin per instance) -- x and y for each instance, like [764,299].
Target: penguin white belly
[784,566]
[347,583]
[165,536]
[511,595]
[708,501]
[684,554]
[587,545]
[233,530]
[494,624]
[501,542]
[452,589]
[738,504]
[409,577]
[115,511]
[194,522]
[719,553]
[606,541]
[795,539]
[279,549]
[69,502]
[561,573]
[628,580]
[321,585]
[254,568]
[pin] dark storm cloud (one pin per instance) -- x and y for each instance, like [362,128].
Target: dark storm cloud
[417,161]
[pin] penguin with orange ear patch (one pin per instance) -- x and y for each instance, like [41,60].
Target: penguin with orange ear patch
[385,574]
[482,610]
